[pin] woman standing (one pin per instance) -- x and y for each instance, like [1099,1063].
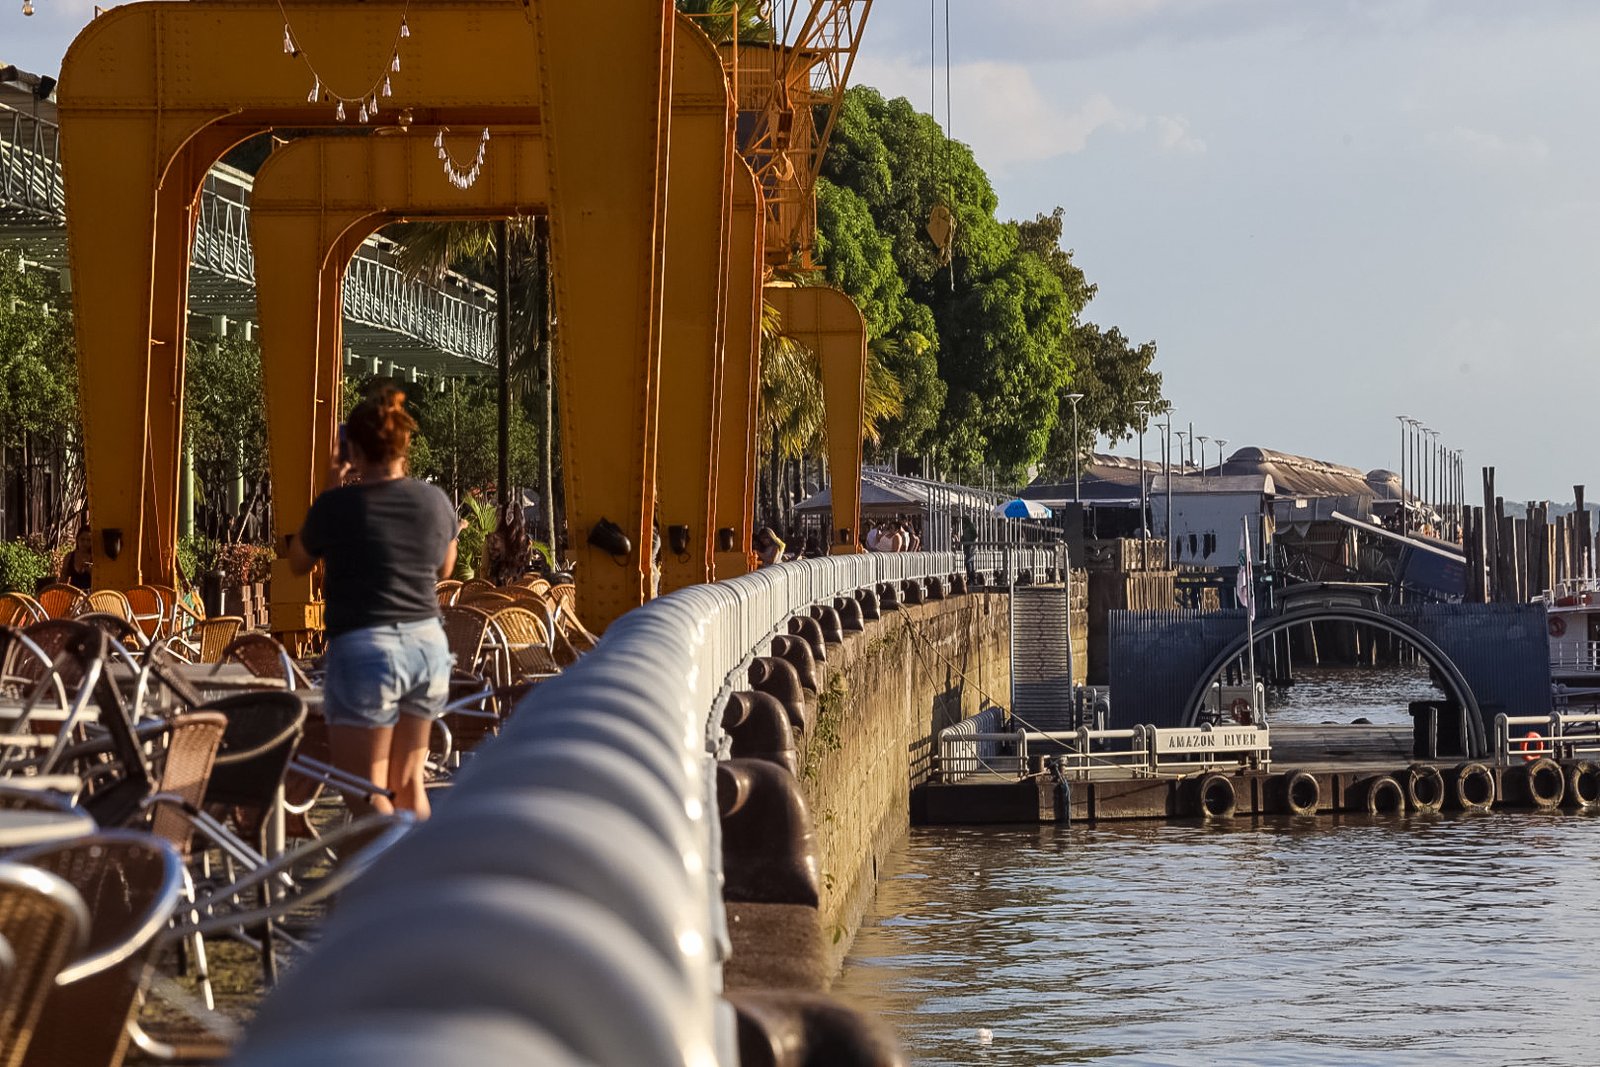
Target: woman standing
[387,540]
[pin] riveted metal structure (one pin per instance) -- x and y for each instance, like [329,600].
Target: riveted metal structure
[829,323]
[737,457]
[315,201]
[699,181]
[318,197]
[152,94]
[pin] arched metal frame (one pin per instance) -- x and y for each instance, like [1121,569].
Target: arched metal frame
[1455,682]
[153,93]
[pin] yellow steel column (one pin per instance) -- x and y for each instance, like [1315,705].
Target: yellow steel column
[692,334]
[741,362]
[140,88]
[830,324]
[607,213]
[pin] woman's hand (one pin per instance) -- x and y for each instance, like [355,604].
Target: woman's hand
[338,473]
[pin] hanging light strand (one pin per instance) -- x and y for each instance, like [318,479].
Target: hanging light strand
[366,105]
[459,175]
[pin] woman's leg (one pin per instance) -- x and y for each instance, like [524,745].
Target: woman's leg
[408,761]
[364,751]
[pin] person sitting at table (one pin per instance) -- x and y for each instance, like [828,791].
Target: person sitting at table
[75,568]
[386,540]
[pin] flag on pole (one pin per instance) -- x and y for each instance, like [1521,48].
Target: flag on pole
[1245,585]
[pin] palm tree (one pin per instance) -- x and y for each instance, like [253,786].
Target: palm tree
[430,249]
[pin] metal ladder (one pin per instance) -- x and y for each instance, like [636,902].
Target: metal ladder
[1041,656]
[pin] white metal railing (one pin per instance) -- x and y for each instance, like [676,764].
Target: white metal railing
[1558,735]
[455,317]
[1575,656]
[663,671]
[1135,752]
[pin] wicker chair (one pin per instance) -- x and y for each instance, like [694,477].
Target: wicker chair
[131,884]
[466,629]
[46,923]
[533,583]
[560,646]
[61,601]
[123,631]
[19,609]
[524,646]
[205,641]
[264,657]
[107,601]
[448,590]
[565,598]
[490,600]
[180,612]
[474,584]
[150,610]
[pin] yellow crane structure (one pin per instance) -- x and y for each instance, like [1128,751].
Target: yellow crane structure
[598,113]
[790,91]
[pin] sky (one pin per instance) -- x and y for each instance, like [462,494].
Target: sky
[1325,213]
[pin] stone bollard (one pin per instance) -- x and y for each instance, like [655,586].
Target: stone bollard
[788,1028]
[934,589]
[829,622]
[958,584]
[849,611]
[867,599]
[769,674]
[769,853]
[810,630]
[758,726]
[797,652]
[888,596]
[911,591]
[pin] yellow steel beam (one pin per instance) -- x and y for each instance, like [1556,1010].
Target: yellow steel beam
[314,202]
[142,82]
[738,440]
[829,323]
[699,172]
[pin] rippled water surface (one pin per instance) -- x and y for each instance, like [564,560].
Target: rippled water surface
[1342,694]
[1417,940]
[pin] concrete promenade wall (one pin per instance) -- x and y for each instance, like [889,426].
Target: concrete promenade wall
[885,694]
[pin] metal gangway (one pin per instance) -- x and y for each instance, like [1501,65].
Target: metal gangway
[973,747]
[446,328]
[1042,696]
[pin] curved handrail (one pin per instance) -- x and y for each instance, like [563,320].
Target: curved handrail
[659,677]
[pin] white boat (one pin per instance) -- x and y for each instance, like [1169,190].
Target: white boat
[1572,614]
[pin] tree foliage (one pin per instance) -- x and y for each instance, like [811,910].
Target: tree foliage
[38,362]
[985,337]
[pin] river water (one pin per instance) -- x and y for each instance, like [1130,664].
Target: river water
[1340,940]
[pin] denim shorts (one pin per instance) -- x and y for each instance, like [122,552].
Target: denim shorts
[376,673]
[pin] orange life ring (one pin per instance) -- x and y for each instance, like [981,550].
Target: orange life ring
[1531,746]
[1242,712]
[1558,626]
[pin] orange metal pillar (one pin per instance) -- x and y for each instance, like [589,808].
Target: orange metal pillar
[608,201]
[830,324]
[142,80]
[698,174]
[315,201]
[736,457]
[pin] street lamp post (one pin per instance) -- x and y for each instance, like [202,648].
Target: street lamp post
[1222,442]
[1430,478]
[1202,439]
[1142,406]
[1183,449]
[1404,523]
[1077,448]
[1166,474]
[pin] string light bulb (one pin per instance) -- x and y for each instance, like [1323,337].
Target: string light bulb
[27,7]
[365,104]
[456,174]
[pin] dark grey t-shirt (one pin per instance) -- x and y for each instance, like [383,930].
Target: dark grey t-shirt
[383,544]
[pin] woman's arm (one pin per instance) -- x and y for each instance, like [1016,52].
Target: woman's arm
[448,567]
[300,561]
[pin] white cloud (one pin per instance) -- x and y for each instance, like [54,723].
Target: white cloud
[1488,147]
[1001,112]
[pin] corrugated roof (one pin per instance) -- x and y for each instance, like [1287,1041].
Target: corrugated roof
[1299,475]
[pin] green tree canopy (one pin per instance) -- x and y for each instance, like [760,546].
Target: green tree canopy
[38,361]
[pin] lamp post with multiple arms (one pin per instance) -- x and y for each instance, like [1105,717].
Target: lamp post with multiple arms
[1077,448]
[1142,407]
